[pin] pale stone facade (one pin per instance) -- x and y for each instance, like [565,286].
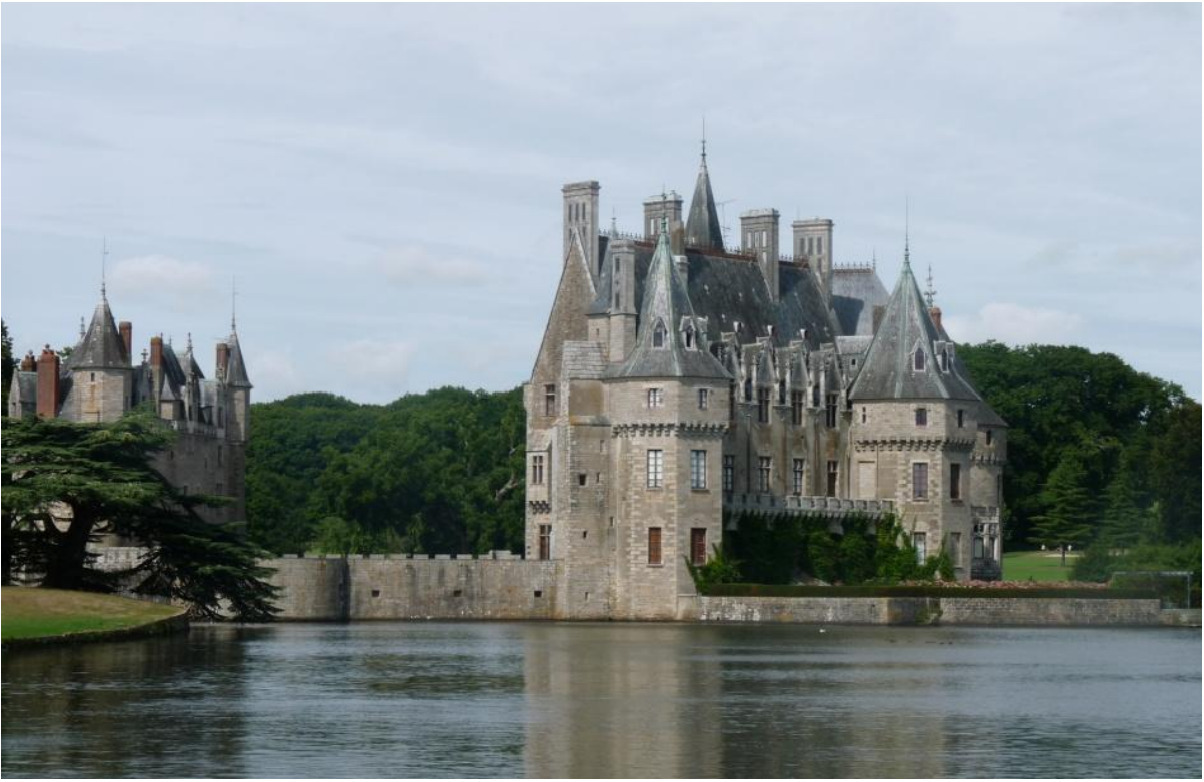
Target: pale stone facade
[677,378]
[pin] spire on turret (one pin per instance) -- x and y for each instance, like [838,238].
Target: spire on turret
[101,345]
[929,292]
[907,234]
[702,226]
[104,259]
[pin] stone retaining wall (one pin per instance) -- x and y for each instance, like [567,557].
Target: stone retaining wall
[1032,611]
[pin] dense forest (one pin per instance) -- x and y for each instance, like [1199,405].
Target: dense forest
[1100,455]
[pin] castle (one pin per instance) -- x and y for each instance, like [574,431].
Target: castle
[678,378]
[99,381]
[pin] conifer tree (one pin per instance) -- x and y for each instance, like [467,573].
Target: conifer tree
[1068,507]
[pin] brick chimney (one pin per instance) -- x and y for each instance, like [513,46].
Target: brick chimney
[127,337]
[935,314]
[223,359]
[48,384]
[156,353]
[29,363]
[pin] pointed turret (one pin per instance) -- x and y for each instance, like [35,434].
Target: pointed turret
[909,358]
[702,226]
[236,372]
[669,342]
[102,345]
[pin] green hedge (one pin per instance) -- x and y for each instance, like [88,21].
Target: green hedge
[800,590]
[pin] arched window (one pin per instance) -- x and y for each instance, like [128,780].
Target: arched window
[658,335]
[918,362]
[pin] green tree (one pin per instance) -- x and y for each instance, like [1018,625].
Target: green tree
[1124,520]
[1175,474]
[65,483]
[1067,518]
[6,363]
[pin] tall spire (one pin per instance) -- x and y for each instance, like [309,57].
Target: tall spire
[702,226]
[104,261]
[704,138]
[907,232]
[929,292]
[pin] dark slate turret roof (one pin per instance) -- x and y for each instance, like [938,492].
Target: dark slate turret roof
[102,345]
[236,368]
[855,293]
[702,225]
[888,371]
[667,302]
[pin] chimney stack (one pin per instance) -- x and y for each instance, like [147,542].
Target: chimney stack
[127,338]
[223,359]
[29,363]
[48,384]
[935,314]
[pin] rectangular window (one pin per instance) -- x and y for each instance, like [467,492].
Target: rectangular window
[656,398]
[978,547]
[545,541]
[961,419]
[549,399]
[763,405]
[698,469]
[988,437]
[798,476]
[796,407]
[955,548]
[920,541]
[654,545]
[729,473]
[919,481]
[832,474]
[704,398]
[864,416]
[955,481]
[764,473]
[537,470]
[831,411]
[656,468]
[921,416]
[698,546]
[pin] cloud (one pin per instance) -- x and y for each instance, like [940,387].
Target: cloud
[417,266]
[372,370]
[274,374]
[184,281]
[1015,324]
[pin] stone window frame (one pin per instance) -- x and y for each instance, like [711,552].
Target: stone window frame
[655,468]
[927,493]
[920,414]
[831,410]
[919,541]
[919,359]
[549,400]
[698,469]
[729,472]
[798,403]
[799,473]
[704,399]
[537,466]
[764,474]
[955,482]
[763,399]
[656,397]
[660,335]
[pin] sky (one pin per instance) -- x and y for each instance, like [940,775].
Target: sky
[382,182]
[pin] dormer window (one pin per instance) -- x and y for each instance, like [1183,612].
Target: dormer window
[658,335]
[689,335]
[918,360]
[944,361]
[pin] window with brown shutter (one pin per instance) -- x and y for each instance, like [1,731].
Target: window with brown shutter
[654,545]
[698,546]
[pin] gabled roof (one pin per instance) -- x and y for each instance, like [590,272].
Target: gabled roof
[888,370]
[102,345]
[236,367]
[666,305]
[702,225]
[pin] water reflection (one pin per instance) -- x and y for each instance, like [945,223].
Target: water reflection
[555,700]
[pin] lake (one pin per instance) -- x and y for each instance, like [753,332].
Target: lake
[569,700]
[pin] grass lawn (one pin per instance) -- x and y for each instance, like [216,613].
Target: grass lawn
[1036,565]
[33,613]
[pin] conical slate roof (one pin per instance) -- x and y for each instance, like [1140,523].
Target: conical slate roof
[102,345]
[667,305]
[702,225]
[889,369]
[236,368]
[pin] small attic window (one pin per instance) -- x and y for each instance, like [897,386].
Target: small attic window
[944,361]
[658,335]
[918,360]
[689,335]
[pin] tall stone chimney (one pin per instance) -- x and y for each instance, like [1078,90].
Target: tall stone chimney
[127,338]
[935,314]
[658,206]
[759,236]
[223,359]
[813,244]
[581,215]
[48,384]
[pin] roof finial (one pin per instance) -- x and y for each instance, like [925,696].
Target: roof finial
[614,227]
[104,258]
[907,232]
[189,342]
[81,325]
[704,137]
[930,293]
[233,301]
[665,211]
[874,258]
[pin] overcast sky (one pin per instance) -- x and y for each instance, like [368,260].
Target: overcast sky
[384,181]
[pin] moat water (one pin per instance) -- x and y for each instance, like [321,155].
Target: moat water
[571,700]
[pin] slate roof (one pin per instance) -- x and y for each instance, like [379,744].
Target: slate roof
[102,345]
[236,367]
[702,225]
[855,293]
[887,371]
[667,302]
